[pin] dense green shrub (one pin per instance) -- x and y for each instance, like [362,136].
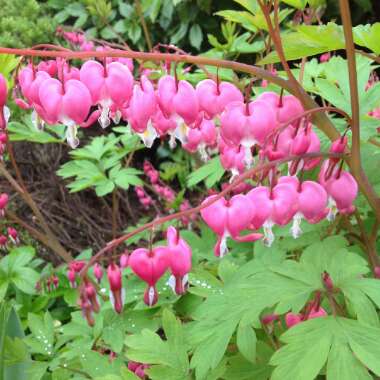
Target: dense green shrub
[25,23]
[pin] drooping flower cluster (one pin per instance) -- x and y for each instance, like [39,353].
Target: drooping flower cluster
[285,199]
[147,264]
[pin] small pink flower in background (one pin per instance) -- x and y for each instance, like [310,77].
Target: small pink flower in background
[151,172]
[325,57]
[3,242]
[13,235]
[4,198]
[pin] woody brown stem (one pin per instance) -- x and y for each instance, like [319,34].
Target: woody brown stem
[54,243]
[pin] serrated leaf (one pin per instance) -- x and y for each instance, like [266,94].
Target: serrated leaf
[211,173]
[310,344]
[104,187]
[27,132]
[167,357]
[309,40]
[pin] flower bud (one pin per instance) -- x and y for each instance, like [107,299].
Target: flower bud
[124,260]
[71,277]
[116,291]
[98,272]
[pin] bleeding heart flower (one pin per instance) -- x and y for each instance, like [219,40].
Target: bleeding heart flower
[247,125]
[92,296]
[117,293]
[286,107]
[213,97]
[162,124]
[49,66]
[98,272]
[67,103]
[72,278]
[109,86]
[228,218]
[200,137]
[4,198]
[343,189]
[4,111]
[150,265]
[178,98]
[312,202]
[13,235]
[124,258]
[276,206]
[231,158]
[87,310]
[180,261]
[77,265]
[292,319]
[142,108]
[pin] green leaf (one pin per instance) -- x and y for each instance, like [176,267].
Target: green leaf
[25,279]
[168,358]
[299,4]
[113,338]
[246,342]
[309,40]
[211,173]
[126,10]
[240,369]
[104,187]
[27,132]
[14,358]
[342,364]
[37,370]
[126,177]
[244,18]
[97,365]
[179,34]
[196,36]
[42,338]
[340,341]
[368,36]
[277,283]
